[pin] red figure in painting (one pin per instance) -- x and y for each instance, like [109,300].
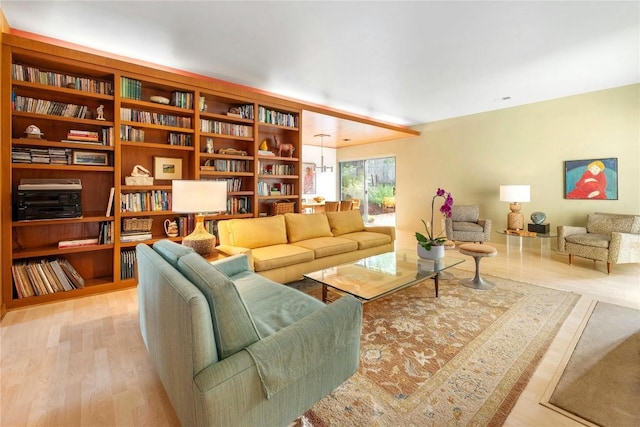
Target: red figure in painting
[592,183]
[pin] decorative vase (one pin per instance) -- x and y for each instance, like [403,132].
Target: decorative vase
[436,252]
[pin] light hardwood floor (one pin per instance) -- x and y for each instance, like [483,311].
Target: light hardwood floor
[82,362]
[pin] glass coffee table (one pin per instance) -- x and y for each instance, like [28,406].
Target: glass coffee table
[380,275]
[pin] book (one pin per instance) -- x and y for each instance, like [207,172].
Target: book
[78,242]
[110,202]
[71,273]
[135,237]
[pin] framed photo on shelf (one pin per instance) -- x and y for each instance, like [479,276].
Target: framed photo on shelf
[167,168]
[591,179]
[90,158]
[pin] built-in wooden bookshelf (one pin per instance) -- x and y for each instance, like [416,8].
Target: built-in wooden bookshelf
[132,115]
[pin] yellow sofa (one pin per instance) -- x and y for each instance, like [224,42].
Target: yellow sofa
[284,247]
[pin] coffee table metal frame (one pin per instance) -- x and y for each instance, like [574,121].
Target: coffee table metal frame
[380,275]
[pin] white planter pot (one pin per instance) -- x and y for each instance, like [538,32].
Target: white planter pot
[436,252]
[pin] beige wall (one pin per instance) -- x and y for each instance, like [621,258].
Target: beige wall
[472,156]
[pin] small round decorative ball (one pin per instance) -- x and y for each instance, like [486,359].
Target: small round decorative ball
[538,217]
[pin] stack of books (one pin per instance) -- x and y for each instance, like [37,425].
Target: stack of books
[83,136]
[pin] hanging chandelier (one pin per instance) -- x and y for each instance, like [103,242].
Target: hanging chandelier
[322,167]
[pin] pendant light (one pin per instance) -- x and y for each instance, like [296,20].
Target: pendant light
[322,167]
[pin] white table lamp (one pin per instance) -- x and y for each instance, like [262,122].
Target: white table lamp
[199,197]
[515,194]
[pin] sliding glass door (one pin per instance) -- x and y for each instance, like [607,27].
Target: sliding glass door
[373,181]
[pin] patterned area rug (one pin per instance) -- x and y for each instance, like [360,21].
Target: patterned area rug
[460,359]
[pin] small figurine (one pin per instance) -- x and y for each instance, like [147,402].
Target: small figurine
[209,146]
[33,132]
[171,228]
[284,147]
[100,112]
[139,170]
[264,146]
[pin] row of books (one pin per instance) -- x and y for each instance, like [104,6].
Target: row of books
[182,99]
[45,276]
[43,106]
[277,118]
[154,200]
[223,128]
[130,88]
[242,111]
[237,205]
[233,184]
[127,264]
[181,139]
[276,169]
[277,189]
[54,156]
[129,133]
[141,116]
[26,73]
[222,165]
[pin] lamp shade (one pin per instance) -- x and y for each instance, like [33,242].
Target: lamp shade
[189,196]
[514,193]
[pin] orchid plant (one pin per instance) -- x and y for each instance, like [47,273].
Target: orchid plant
[430,240]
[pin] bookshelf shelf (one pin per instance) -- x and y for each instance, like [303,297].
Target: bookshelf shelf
[156,145]
[71,145]
[45,251]
[62,90]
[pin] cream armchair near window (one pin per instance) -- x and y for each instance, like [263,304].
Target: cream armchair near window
[464,225]
[612,238]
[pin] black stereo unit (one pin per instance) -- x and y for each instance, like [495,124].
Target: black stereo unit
[48,199]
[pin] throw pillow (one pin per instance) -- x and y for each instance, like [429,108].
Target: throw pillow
[232,324]
[306,226]
[258,232]
[343,222]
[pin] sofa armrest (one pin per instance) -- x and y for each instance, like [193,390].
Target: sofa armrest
[624,248]
[233,265]
[303,346]
[567,230]
[237,250]
[383,229]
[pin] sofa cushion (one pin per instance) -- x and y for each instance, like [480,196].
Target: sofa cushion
[368,239]
[466,226]
[171,251]
[258,232]
[327,246]
[344,222]
[306,226]
[276,256]
[273,306]
[590,239]
[234,329]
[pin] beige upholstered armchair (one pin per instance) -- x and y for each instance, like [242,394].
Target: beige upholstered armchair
[612,238]
[465,226]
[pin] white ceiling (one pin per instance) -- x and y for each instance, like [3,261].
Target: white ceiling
[403,62]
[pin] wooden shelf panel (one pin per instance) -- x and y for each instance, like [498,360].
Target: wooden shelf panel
[62,167]
[147,213]
[223,174]
[278,176]
[279,159]
[44,251]
[63,90]
[61,221]
[225,156]
[269,125]
[224,117]
[129,245]
[159,127]
[140,188]
[295,196]
[104,123]
[156,145]
[148,105]
[220,135]
[72,145]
